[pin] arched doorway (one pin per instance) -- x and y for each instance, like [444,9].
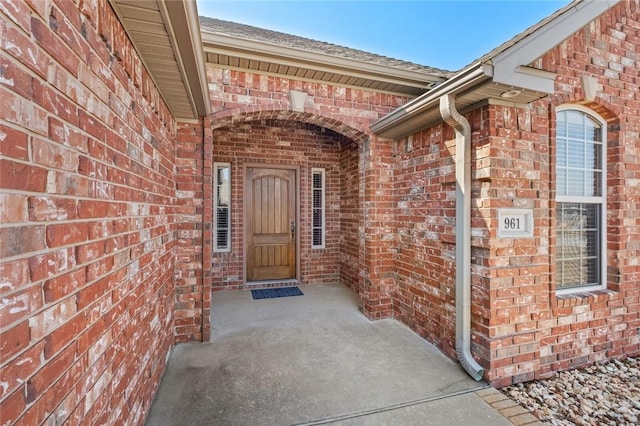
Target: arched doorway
[294,201]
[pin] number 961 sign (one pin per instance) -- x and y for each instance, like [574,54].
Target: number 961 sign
[515,223]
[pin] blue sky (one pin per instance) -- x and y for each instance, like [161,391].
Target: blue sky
[442,34]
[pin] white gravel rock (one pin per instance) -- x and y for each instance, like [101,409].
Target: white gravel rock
[602,394]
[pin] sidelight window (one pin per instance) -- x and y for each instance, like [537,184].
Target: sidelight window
[222,207]
[318,208]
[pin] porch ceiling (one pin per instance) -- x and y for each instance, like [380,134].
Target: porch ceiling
[236,46]
[166,35]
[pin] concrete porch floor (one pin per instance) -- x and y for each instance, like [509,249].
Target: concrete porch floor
[313,359]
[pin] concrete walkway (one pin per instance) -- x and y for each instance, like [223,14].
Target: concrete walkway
[314,359]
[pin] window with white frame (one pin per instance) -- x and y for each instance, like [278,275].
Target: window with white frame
[318,208]
[222,207]
[580,200]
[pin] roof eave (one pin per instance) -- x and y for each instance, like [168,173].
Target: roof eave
[181,16]
[182,28]
[508,63]
[419,113]
[258,50]
[509,71]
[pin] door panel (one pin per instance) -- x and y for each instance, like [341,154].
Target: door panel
[270,213]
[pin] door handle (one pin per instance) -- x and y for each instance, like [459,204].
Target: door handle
[293,229]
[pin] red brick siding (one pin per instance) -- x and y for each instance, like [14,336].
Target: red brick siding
[545,332]
[521,329]
[425,185]
[516,176]
[87,181]
[348,111]
[350,216]
[377,256]
[189,273]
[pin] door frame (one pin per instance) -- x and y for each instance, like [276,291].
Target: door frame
[296,169]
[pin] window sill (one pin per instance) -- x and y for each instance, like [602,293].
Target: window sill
[584,297]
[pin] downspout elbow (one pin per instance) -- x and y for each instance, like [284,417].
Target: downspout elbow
[463,234]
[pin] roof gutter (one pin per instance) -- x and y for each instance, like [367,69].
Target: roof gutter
[407,119]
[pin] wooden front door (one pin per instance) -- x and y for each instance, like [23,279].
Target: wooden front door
[271,224]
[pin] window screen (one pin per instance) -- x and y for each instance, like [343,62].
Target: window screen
[318,208]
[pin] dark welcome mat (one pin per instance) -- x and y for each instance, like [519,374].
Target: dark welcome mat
[269,293]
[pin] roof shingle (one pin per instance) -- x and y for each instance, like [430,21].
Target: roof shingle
[276,38]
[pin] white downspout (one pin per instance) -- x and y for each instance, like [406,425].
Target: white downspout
[463,234]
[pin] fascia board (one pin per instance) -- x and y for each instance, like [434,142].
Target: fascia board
[183,27]
[524,52]
[294,57]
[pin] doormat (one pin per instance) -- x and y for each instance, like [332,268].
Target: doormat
[270,293]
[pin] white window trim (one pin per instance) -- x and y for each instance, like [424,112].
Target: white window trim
[602,200]
[216,249]
[322,173]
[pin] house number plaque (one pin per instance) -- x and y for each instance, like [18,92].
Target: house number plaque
[515,223]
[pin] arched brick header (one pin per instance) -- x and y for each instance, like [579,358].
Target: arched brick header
[249,114]
[609,112]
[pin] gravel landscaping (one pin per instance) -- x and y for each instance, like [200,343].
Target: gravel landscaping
[603,394]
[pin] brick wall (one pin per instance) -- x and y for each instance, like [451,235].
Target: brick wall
[517,176]
[86,229]
[350,216]
[521,329]
[346,110]
[425,187]
[546,332]
[377,264]
[425,184]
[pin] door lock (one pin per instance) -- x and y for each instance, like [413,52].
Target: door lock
[293,229]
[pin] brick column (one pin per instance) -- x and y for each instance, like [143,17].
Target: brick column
[519,267]
[377,276]
[190,294]
[207,238]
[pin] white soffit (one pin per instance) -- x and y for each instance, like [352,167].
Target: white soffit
[166,35]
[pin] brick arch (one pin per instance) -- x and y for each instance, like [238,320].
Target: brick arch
[249,114]
[609,112]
